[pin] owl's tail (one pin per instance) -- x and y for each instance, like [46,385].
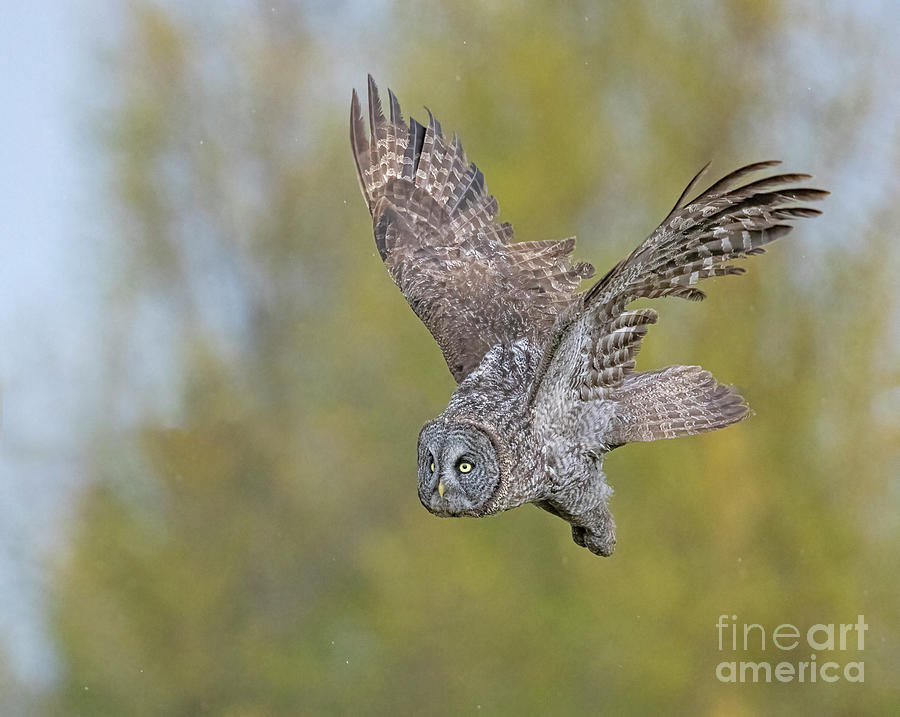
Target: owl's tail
[672,402]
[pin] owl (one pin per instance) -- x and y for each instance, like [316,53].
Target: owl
[546,374]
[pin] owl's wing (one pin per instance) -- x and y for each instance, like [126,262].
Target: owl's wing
[435,231]
[699,238]
[591,353]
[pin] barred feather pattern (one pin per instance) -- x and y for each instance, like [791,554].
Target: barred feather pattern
[594,348]
[699,239]
[435,229]
[672,402]
[608,355]
[587,397]
[547,377]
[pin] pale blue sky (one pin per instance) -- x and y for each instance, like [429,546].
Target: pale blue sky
[50,278]
[48,306]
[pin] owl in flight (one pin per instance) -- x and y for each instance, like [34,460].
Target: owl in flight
[546,374]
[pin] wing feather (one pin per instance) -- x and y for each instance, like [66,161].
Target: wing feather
[435,229]
[590,355]
[360,146]
[697,240]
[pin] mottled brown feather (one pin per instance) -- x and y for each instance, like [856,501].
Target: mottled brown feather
[434,227]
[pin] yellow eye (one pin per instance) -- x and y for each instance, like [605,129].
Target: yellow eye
[465,467]
[432,466]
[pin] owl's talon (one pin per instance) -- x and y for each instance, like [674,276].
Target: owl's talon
[601,538]
[602,544]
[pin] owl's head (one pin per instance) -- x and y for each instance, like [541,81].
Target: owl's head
[458,468]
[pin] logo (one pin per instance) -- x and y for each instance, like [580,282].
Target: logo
[795,652]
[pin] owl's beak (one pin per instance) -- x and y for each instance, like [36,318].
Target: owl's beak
[441,488]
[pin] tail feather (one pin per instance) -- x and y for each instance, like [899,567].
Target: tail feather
[675,401]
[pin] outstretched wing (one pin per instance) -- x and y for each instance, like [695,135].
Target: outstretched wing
[591,356]
[435,231]
[700,238]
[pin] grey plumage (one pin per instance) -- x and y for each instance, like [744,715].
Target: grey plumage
[547,380]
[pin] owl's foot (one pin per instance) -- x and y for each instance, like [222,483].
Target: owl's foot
[596,531]
[603,544]
[593,528]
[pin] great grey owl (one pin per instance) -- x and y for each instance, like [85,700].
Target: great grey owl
[546,375]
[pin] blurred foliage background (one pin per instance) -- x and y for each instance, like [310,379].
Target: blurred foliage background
[250,542]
